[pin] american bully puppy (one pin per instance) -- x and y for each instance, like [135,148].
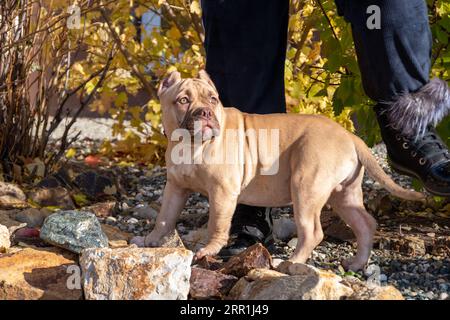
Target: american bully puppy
[262,160]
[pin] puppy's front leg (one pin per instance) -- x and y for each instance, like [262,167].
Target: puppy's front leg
[174,199]
[221,209]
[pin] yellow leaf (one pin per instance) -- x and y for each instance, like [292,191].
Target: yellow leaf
[53,208]
[195,8]
[121,99]
[80,199]
[140,11]
[71,153]
[171,69]
[173,33]
[135,112]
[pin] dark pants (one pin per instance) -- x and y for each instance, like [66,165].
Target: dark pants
[246,43]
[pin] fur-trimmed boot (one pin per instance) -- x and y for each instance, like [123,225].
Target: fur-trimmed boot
[395,61]
[413,145]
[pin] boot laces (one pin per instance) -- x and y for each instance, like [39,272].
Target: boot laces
[430,141]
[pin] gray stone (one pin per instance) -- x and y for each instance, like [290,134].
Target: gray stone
[136,273]
[293,243]
[284,228]
[145,211]
[132,221]
[74,230]
[33,217]
[111,220]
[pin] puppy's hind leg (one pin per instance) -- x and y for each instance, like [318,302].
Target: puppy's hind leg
[308,201]
[348,204]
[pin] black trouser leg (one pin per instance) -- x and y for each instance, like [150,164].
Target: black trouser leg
[395,63]
[394,59]
[245,42]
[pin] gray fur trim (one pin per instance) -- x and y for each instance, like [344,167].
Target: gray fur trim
[412,113]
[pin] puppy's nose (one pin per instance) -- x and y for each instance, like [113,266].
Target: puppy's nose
[206,113]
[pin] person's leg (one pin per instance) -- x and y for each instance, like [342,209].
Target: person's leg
[245,45]
[395,63]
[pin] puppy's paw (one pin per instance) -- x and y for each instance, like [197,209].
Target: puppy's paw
[143,242]
[351,264]
[207,251]
[138,241]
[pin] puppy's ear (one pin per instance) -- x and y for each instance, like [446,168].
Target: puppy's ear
[202,74]
[169,80]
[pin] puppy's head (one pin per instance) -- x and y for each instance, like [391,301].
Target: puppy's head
[191,104]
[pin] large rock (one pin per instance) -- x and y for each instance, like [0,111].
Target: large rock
[103,209]
[309,284]
[207,284]
[6,219]
[11,196]
[172,240]
[116,237]
[5,243]
[210,263]
[53,197]
[74,231]
[33,217]
[136,273]
[253,257]
[38,274]
[95,185]
[370,291]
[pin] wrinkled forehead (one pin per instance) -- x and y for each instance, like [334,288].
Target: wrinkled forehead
[197,87]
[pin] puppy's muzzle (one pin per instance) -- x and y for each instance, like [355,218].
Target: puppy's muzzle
[202,119]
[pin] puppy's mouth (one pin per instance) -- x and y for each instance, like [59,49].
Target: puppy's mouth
[202,123]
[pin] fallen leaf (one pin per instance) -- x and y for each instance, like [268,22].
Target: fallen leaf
[92,160]
[80,199]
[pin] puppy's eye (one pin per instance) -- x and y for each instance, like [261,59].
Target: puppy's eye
[183,100]
[213,100]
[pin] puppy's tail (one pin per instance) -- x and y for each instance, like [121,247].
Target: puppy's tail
[377,173]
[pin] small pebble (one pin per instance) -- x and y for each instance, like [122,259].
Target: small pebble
[111,220]
[293,243]
[383,277]
[132,221]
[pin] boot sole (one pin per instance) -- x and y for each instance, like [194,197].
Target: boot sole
[407,172]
